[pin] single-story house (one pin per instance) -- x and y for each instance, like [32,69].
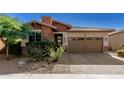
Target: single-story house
[116,40]
[75,39]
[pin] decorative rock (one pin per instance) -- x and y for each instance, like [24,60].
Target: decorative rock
[35,66]
[21,63]
[45,65]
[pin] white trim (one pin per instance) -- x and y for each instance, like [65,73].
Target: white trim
[104,44]
[38,30]
[65,37]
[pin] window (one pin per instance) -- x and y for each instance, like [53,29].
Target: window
[74,39]
[80,38]
[98,38]
[31,37]
[88,38]
[34,36]
[38,36]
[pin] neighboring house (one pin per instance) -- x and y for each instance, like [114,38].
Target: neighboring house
[2,46]
[116,40]
[74,39]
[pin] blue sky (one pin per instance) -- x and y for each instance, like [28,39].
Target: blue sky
[105,20]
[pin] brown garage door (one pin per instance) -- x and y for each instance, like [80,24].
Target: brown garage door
[89,44]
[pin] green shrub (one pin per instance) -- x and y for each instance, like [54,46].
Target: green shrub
[120,53]
[56,54]
[15,48]
[39,50]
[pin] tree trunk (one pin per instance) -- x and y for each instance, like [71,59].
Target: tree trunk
[7,52]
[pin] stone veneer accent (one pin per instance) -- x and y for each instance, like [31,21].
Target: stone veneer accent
[47,31]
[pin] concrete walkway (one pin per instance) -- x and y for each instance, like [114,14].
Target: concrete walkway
[116,57]
[61,76]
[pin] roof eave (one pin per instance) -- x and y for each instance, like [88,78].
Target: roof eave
[90,31]
[116,32]
[69,26]
[44,24]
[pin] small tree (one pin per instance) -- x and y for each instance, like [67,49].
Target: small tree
[11,29]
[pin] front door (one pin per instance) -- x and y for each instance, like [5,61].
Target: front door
[58,38]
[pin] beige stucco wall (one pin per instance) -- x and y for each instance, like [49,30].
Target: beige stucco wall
[78,34]
[91,34]
[116,40]
[23,43]
[104,35]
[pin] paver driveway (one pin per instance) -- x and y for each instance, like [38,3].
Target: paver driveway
[88,63]
[90,59]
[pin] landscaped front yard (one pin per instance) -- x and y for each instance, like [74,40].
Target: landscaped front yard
[88,63]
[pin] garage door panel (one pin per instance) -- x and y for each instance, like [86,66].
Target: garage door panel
[94,45]
[76,45]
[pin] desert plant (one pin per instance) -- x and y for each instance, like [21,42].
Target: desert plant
[39,50]
[56,54]
[120,53]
